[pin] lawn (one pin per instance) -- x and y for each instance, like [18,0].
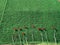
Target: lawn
[20,13]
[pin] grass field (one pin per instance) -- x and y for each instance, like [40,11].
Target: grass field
[35,44]
[20,13]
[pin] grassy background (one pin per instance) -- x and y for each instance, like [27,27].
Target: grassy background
[17,13]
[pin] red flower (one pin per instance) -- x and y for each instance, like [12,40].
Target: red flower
[25,27]
[39,29]
[23,33]
[43,28]
[15,29]
[20,29]
[33,26]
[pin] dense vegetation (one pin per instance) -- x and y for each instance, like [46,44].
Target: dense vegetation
[19,13]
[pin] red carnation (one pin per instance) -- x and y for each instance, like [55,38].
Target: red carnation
[15,29]
[20,29]
[39,29]
[43,28]
[25,27]
[33,26]
[23,33]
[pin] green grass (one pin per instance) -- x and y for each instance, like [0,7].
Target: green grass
[35,44]
[17,13]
